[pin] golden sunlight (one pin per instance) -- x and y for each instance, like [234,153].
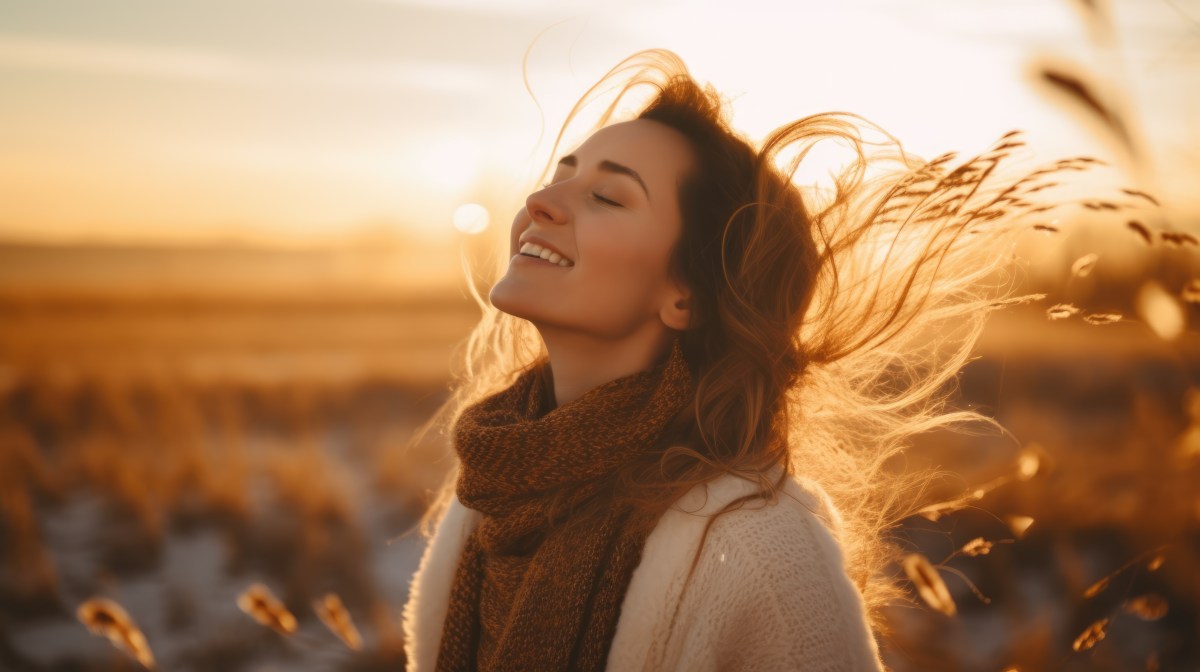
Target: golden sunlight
[471,218]
[246,252]
[448,165]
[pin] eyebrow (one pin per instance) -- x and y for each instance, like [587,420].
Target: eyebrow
[612,167]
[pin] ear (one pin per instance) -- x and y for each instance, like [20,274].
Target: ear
[676,312]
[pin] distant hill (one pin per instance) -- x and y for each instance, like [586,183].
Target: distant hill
[235,313]
[30,270]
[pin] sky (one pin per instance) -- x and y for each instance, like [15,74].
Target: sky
[294,121]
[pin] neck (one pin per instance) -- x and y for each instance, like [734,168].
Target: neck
[580,362]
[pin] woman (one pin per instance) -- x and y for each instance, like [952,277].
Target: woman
[673,422]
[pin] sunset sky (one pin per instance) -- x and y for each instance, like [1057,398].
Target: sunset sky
[310,120]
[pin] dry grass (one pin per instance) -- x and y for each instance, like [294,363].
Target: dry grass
[167,457]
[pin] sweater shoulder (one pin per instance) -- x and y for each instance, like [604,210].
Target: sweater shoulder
[800,496]
[798,527]
[771,590]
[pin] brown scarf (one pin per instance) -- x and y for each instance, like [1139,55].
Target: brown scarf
[534,594]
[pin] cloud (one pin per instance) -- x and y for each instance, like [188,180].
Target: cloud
[539,8]
[122,59]
[72,55]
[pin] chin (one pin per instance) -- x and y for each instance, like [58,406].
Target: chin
[501,298]
[527,300]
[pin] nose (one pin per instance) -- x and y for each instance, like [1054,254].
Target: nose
[543,208]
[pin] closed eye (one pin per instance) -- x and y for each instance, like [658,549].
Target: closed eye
[602,199]
[598,197]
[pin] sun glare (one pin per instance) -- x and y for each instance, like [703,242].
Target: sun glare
[471,218]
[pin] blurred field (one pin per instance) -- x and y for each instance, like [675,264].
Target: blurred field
[169,442]
[1109,430]
[166,441]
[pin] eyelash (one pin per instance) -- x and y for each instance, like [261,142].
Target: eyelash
[598,197]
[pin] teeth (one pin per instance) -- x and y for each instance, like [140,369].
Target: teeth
[546,254]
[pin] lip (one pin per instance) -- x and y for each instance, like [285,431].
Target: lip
[536,261]
[544,243]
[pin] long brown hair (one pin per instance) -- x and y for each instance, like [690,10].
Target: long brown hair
[827,322]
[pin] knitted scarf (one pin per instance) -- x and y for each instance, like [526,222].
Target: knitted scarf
[531,593]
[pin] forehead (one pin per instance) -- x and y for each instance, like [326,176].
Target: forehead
[658,152]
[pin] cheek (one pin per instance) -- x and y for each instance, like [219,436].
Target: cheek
[627,261]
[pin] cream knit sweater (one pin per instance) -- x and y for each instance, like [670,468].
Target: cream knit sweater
[770,591]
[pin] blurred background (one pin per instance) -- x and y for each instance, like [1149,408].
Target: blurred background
[233,242]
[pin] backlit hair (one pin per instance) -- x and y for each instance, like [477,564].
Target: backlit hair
[830,322]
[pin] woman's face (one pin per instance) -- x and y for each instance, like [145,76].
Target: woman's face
[612,212]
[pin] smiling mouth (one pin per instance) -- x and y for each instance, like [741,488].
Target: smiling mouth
[549,256]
